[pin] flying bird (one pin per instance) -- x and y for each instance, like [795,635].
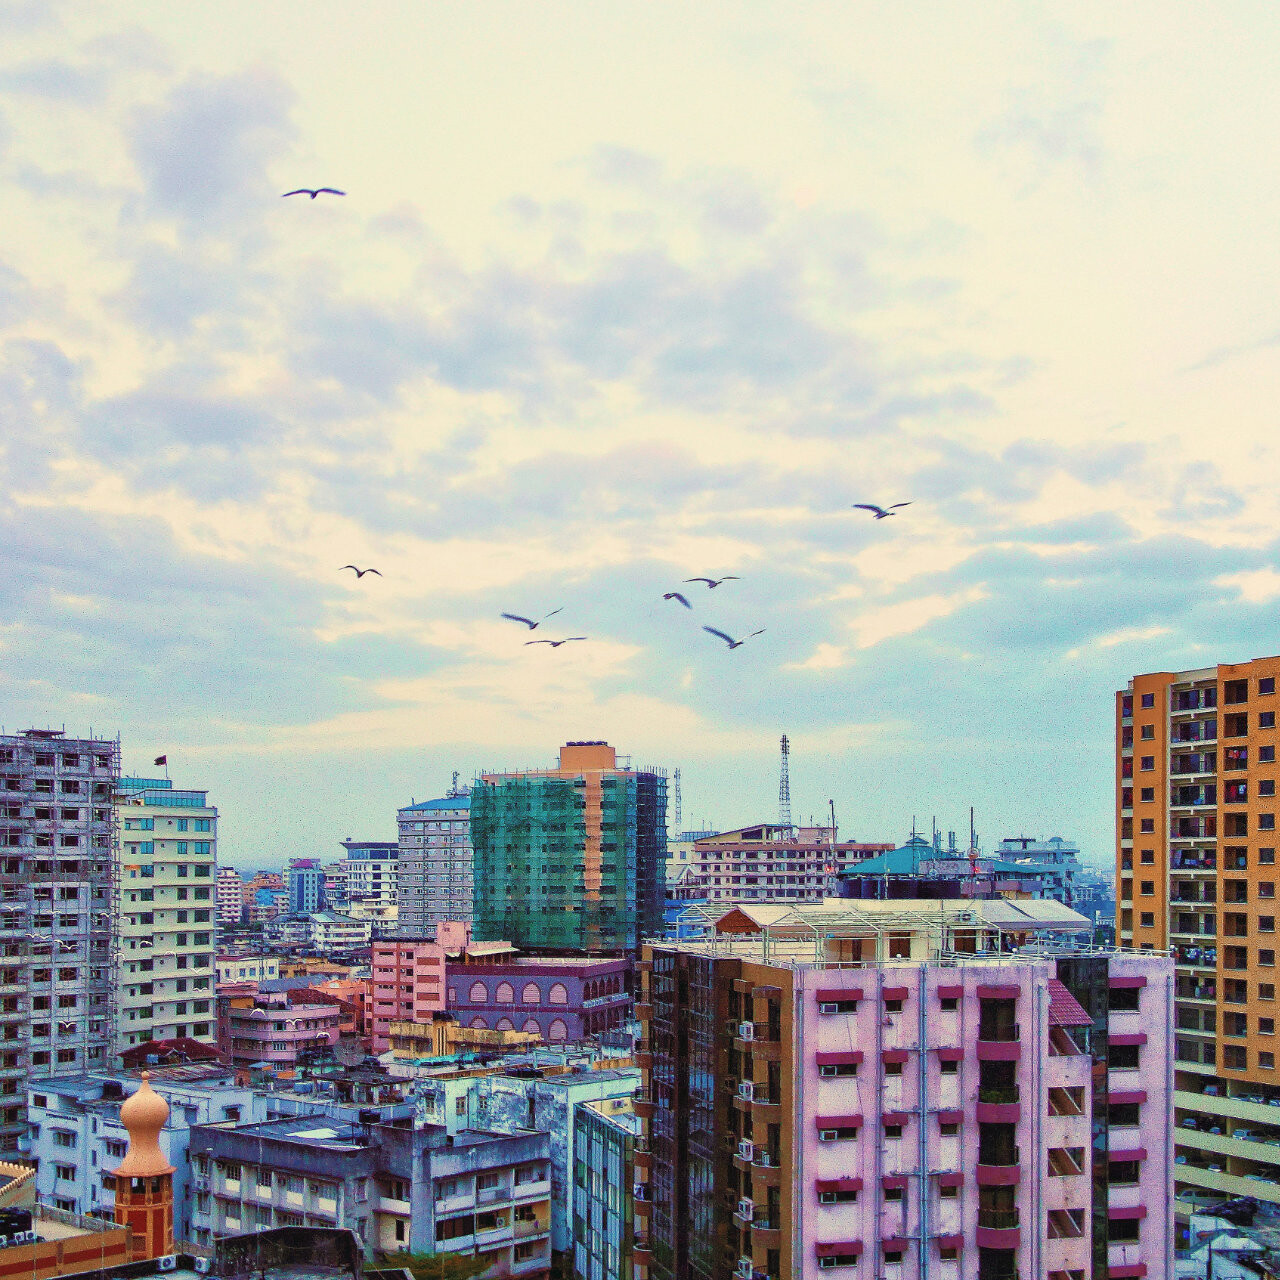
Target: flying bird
[879,512]
[360,572]
[314,191]
[675,595]
[529,622]
[730,641]
[555,644]
[713,583]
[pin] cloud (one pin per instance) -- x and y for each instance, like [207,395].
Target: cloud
[52,78]
[204,151]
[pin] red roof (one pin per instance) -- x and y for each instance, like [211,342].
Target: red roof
[1064,1009]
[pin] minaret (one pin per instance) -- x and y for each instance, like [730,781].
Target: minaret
[144,1180]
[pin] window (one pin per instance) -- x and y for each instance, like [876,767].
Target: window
[1235,1058]
[1266,786]
[1266,720]
[1148,795]
[1266,755]
[1147,763]
[1266,991]
[1266,1026]
[1147,920]
[1124,1000]
[1122,1057]
[1148,731]
[1146,826]
[1147,888]
[1123,1230]
[1267,958]
[1267,684]
[1266,924]
[949,1004]
[948,1068]
[1148,701]
[1266,822]
[1267,1060]
[1147,857]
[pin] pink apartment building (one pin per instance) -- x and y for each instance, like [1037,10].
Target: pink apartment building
[260,1026]
[407,978]
[900,1090]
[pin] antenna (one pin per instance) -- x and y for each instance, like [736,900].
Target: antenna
[973,855]
[453,791]
[784,786]
[675,800]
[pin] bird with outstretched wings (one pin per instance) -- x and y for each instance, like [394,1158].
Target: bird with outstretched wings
[313,192]
[879,513]
[360,572]
[730,641]
[529,622]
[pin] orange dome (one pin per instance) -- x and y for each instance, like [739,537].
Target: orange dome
[143,1114]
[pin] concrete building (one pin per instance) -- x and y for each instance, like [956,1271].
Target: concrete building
[603,1188]
[77,1134]
[266,1026]
[372,871]
[305,881]
[333,934]
[1054,863]
[335,884]
[57,926]
[1196,867]
[559,997]
[572,857]
[247,968]
[908,1089]
[167,856]
[229,896]
[477,1194]
[435,876]
[407,984]
[773,863]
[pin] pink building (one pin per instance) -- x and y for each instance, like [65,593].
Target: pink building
[266,1027]
[907,1090]
[407,978]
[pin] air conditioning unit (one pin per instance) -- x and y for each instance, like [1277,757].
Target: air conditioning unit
[746,1268]
[746,1208]
[747,1090]
[746,1031]
[746,1149]
[168,1263]
[202,1266]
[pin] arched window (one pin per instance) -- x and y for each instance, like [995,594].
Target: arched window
[531,1024]
[558,1030]
[506,993]
[479,994]
[479,1023]
[532,993]
[559,994]
[505,1024]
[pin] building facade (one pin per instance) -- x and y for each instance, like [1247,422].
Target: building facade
[57,920]
[267,1027]
[1054,863]
[474,1193]
[77,1134]
[1196,872]
[372,873]
[897,1089]
[407,984]
[333,934]
[773,863]
[572,857]
[604,1141]
[229,896]
[435,876]
[167,853]
[305,880]
[560,998]
[247,968]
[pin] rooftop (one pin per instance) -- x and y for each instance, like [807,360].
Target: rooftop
[431,806]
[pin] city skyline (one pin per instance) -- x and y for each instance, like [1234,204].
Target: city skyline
[614,299]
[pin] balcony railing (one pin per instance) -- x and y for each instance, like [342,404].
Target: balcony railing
[997,1219]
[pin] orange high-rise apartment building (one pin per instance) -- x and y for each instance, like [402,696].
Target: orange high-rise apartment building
[1196,809]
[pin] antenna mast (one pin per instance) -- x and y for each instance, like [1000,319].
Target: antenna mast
[675,800]
[453,791]
[784,786]
[973,855]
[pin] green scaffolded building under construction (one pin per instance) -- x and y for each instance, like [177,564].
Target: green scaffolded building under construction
[572,858]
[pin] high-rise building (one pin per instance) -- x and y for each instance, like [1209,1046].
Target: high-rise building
[572,857]
[167,853]
[917,1089]
[371,872]
[57,927]
[1196,810]
[306,886]
[229,894]
[434,881]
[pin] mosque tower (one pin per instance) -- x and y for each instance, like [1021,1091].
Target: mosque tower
[144,1180]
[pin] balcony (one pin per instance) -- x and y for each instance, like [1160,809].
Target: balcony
[1002,1050]
[998,1229]
[999,1175]
[645,1107]
[641,1252]
[531,1227]
[766,1232]
[643,1158]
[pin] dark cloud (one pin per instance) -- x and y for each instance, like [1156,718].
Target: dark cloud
[204,151]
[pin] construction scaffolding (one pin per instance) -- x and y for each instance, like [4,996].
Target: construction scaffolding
[58,904]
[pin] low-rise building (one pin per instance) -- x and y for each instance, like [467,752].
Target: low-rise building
[422,1190]
[266,1027]
[76,1134]
[330,933]
[558,997]
[247,968]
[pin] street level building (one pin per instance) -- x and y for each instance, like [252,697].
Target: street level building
[1196,808]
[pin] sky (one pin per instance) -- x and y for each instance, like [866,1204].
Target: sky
[619,295]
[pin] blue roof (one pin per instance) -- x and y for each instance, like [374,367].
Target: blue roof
[449,802]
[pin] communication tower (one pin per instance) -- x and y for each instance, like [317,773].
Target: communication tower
[784,786]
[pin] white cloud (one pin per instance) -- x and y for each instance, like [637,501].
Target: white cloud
[907,616]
